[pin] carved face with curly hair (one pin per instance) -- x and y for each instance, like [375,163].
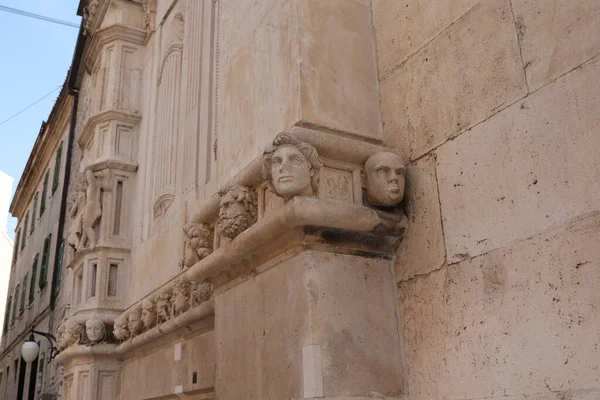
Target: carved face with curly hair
[238,210]
[291,167]
[121,328]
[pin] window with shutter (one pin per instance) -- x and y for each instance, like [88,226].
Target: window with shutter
[45,258]
[16,248]
[33,211]
[58,269]
[15,304]
[57,167]
[25,234]
[44,193]
[33,276]
[7,314]
[23,293]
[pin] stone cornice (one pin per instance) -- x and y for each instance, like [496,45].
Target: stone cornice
[110,34]
[105,116]
[98,249]
[82,351]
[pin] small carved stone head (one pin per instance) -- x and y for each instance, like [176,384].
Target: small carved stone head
[135,323]
[181,296]
[149,313]
[199,243]
[291,167]
[73,332]
[163,305]
[95,330]
[121,328]
[201,292]
[238,210]
[384,179]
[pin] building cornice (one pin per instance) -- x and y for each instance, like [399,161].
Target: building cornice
[110,34]
[106,116]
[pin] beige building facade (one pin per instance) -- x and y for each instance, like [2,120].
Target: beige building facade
[339,199]
[6,243]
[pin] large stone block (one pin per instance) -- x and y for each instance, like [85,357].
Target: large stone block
[422,250]
[556,36]
[401,28]
[459,79]
[338,71]
[258,91]
[318,324]
[533,166]
[516,321]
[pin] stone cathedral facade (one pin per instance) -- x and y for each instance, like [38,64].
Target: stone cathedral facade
[338,199]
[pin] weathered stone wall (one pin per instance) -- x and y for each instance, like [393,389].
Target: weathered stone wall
[497,104]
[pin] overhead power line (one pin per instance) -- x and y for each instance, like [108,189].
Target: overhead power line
[37,16]
[31,105]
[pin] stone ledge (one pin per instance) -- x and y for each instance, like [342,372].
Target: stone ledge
[79,351]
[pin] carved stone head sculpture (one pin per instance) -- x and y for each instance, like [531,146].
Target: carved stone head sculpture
[181,296]
[384,179]
[149,313]
[199,243]
[73,332]
[95,330]
[238,210]
[135,323]
[121,328]
[61,337]
[291,167]
[201,292]
[163,305]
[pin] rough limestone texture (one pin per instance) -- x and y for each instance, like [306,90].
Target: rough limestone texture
[536,166]
[170,366]
[556,36]
[455,81]
[517,321]
[337,305]
[416,24]
[422,250]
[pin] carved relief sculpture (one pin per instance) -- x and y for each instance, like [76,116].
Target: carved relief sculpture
[135,323]
[121,327]
[384,179]
[72,333]
[181,296]
[92,211]
[149,313]
[76,205]
[163,306]
[238,210]
[95,330]
[201,292]
[199,243]
[291,167]
[89,15]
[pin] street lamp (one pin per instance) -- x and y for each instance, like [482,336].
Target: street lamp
[30,349]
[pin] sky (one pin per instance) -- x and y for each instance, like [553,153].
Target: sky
[35,57]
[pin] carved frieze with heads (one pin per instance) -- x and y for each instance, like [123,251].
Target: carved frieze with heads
[238,210]
[90,13]
[121,327]
[198,244]
[291,167]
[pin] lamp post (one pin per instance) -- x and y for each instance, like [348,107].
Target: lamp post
[30,349]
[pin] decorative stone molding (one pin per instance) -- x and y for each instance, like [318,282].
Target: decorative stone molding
[109,34]
[199,242]
[238,210]
[291,167]
[161,205]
